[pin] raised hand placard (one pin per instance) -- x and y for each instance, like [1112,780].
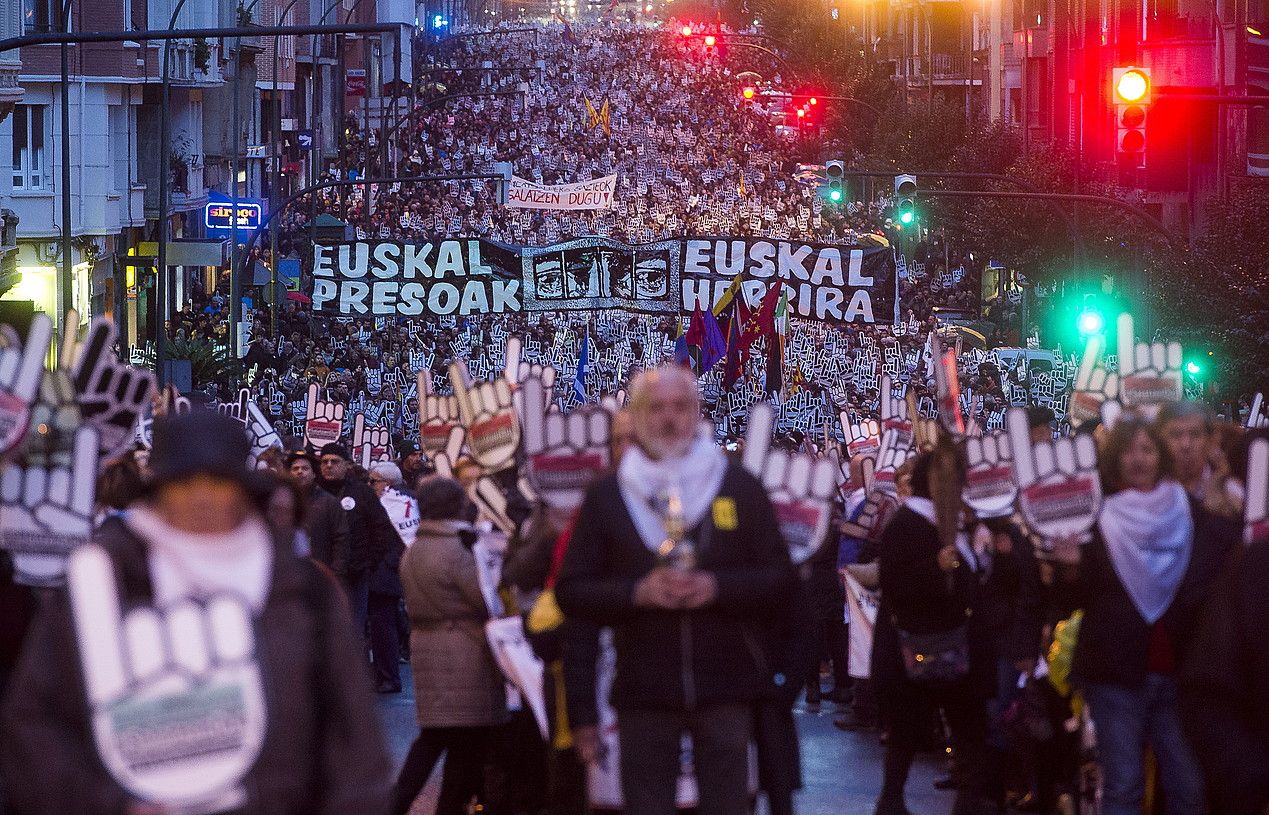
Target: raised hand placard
[1149,373]
[1094,384]
[487,411]
[175,696]
[21,369]
[1256,507]
[112,395]
[565,451]
[1059,488]
[989,483]
[324,421]
[801,486]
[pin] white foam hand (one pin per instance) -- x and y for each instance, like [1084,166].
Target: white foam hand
[564,451]
[176,699]
[261,432]
[438,415]
[1094,384]
[801,486]
[1149,373]
[112,396]
[324,421]
[517,370]
[488,414]
[490,499]
[445,458]
[46,509]
[896,448]
[989,483]
[862,436]
[894,409]
[875,513]
[20,372]
[1059,489]
[370,444]
[614,402]
[1256,417]
[1256,506]
[949,389]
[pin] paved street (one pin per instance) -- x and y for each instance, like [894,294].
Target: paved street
[842,770]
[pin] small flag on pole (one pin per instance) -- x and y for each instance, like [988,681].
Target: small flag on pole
[583,363]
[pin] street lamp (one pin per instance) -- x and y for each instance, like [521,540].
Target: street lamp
[165,138]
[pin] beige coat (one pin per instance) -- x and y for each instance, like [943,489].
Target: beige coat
[456,682]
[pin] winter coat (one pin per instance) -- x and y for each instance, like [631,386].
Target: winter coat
[327,526]
[385,578]
[1114,641]
[916,596]
[370,532]
[1225,684]
[681,660]
[456,682]
[322,751]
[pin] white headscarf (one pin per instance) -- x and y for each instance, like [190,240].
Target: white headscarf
[1149,536]
[697,476]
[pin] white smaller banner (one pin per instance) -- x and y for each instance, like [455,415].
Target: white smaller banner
[519,665]
[596,194]
[862,604]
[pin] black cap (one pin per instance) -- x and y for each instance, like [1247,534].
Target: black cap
[335,449]
[201,442]
[297,455]
[407,447]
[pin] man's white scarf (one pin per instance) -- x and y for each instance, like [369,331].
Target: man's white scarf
[1149,536]
[645,484]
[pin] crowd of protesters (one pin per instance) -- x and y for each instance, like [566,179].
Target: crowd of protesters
[1141,639]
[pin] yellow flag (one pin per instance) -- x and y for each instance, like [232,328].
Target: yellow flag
[591,115]
[728,295]
[741,188]
[605,117]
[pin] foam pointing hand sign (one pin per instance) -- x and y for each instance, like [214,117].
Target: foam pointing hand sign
[565,451]
[488,413]
[324,422]
[1149,373]
[20,372]
[175,695]
[801,486]
[1059,489]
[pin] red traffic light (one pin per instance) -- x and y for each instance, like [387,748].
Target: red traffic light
[814,101]
[1133,85]
[687,31]
[710,40]
[801,113]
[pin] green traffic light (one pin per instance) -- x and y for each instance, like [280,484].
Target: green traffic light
[1091,322]
[835,195]
[1193,368]
[907,216]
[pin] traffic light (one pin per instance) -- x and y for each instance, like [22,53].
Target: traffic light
[710,41]
[835,176]
[1132,102]
[905,188]
[1091,319]
[687,31]
[749,92]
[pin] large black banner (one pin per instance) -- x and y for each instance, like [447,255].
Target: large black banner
[474,276]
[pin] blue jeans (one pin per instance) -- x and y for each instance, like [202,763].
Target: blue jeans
[1127,719]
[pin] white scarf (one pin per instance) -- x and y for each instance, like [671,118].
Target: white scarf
[1149,536]
[185,566]
[644,484]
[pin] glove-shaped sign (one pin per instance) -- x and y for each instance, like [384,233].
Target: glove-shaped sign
[1059,489]
[20,373]
[896,448]
[801,486]
[1149,373]
[989,484]
[259,430]
[1094,385]
[1256,508]
[324,421]
[46,509]
[565,451]
[876,512]
[863,436]
[176,700]
[112,396]
[493,434]
[1256,417]
[370,444]
[438,415]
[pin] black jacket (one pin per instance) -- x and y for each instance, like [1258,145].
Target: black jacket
[1225,685]
[327,526]
[1012,602]
[370,530]
[924,599]
[672,660]
[1114,639]
[322,754]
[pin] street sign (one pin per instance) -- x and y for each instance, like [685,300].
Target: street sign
[355,82]
[304,139]
[219,215]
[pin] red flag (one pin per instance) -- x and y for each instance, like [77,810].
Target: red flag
[737,357]
[762,323]
[696,329]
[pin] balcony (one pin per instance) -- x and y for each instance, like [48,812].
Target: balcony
[942,69]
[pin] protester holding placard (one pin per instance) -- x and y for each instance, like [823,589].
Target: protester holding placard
[1145,576]
[255,704]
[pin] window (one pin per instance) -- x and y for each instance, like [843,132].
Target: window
[30,148]
[40,16]
[120,149]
